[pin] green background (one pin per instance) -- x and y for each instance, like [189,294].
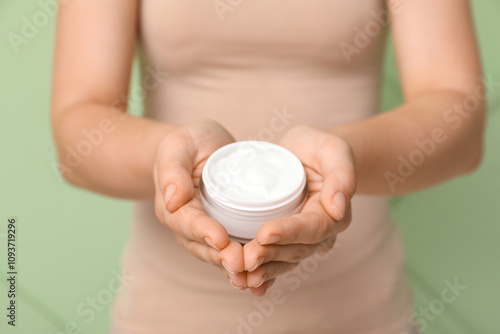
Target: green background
[70,240]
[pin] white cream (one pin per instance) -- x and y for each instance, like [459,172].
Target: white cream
[245,184]
[255,172]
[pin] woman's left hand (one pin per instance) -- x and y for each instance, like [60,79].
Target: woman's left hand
[282,243]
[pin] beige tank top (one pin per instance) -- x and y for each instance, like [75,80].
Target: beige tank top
[260,67]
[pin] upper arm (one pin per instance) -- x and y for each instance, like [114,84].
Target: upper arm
[93,53]
[435,46]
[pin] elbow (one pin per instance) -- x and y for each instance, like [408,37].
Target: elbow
[67,166]
[472,140]
[68,161]
[472,156]
[69,175]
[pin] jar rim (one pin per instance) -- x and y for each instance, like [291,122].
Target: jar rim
[212,191]
[297,199]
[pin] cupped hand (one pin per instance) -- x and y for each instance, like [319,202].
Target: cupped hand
[179,163]
[282,243]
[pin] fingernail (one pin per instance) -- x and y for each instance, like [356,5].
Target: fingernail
[169,193]
[234,286]
[272,239]
[261,282]
[259,262]
[211,243]
[339,203]
[227,268]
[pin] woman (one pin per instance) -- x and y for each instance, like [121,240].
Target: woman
[305,75]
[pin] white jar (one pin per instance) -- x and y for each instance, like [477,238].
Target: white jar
[245,184]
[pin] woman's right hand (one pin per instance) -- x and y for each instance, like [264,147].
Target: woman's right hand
[179,163]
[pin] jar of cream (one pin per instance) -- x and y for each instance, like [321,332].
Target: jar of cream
[245,184]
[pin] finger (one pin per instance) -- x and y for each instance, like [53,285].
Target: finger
[261,290]
[230,259]
[174,171]
[160,208]
[192,223]
[346,221]
[255,254]
[211,134]
[267,272]
[237,281]
[310,226]
[339,183]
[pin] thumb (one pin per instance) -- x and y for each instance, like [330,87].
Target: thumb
[174,178]
[338,189]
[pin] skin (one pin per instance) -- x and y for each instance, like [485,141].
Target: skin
[338,162]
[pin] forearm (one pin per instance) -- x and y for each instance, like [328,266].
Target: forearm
[107,151]
[424,142]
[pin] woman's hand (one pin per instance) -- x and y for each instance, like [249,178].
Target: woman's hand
[282,243]
[180,160]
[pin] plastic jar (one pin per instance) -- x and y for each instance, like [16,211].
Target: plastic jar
[245,184]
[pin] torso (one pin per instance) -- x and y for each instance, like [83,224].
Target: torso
[267,66]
